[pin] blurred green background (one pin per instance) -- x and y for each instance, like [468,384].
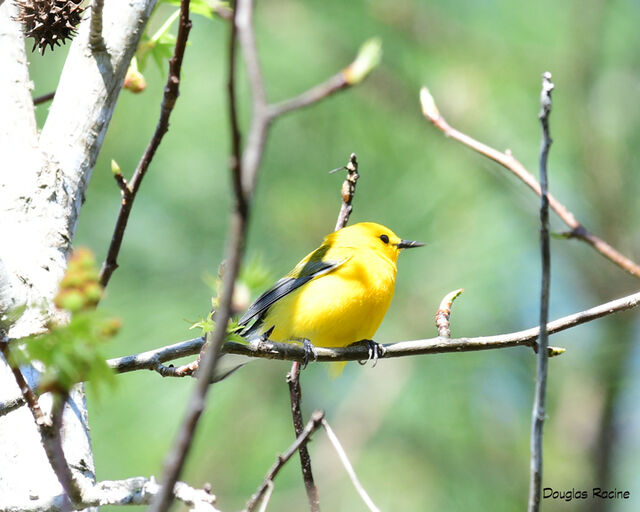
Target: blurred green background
[432,433]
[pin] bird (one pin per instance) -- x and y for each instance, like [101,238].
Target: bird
[336,295]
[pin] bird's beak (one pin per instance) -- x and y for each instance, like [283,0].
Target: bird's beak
[408,244]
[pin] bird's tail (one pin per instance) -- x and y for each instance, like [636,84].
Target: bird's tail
[228,364]
[336,369]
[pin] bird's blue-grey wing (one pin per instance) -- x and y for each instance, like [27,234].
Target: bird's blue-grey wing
[283,287]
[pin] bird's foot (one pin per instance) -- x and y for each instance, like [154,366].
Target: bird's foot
[374,353]
[310,353]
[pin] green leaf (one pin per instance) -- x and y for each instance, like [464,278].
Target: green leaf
[70,353]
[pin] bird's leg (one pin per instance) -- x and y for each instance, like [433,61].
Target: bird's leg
[310,352]
[375,350]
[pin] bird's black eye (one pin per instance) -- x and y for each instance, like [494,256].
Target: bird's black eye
[384,238]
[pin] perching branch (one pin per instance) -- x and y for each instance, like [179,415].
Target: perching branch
[509,162]
[538,413]
[290,352]
[317,418]
[171,92]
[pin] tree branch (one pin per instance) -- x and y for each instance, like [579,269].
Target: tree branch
[292,352]
[312,425]
[44,98]
[96,41]
[295,396]
[349,468]
[132,491]
[538,413]
[367,59]
[171,93]
[509,162]
[357,352]
[348,191]
[174,461]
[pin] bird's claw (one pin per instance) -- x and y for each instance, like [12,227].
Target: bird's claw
[375,350]
[265,335]
[310,353]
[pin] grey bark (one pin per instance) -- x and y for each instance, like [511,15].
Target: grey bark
[43,180]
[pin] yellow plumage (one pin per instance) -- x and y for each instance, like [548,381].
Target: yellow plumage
[336,295]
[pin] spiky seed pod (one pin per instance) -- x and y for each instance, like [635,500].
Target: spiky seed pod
[49,22]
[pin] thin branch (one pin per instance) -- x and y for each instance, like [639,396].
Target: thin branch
[509,162]
[131,491]
[257,136]
[289,352]
[292,352]
[295,395]
[348,191]
[266,498]
[347,465]
[51,438]
[334,84]
[28,396]
[96,41]
[443,314]
[367,59]
[538,413]
[175,459]
[44,98]
[171,92]
[317,418]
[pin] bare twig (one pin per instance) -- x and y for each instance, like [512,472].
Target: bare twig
[295,395]
[28,396]
[444,313]
[51,438]
[347,465]
[169,98]
[317,418]
[176,457]
[348,191]
[509,162]
[44,98]
[368,58]
[96,41]
[538,413]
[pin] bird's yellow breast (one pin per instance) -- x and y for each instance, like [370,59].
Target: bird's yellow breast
[340,307]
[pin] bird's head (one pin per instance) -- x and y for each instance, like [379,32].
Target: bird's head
[372,236]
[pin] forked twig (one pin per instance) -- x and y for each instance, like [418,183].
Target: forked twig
[509,162]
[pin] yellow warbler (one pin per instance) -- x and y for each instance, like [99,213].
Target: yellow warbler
[337,295]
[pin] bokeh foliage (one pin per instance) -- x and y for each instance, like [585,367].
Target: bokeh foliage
[442,433]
